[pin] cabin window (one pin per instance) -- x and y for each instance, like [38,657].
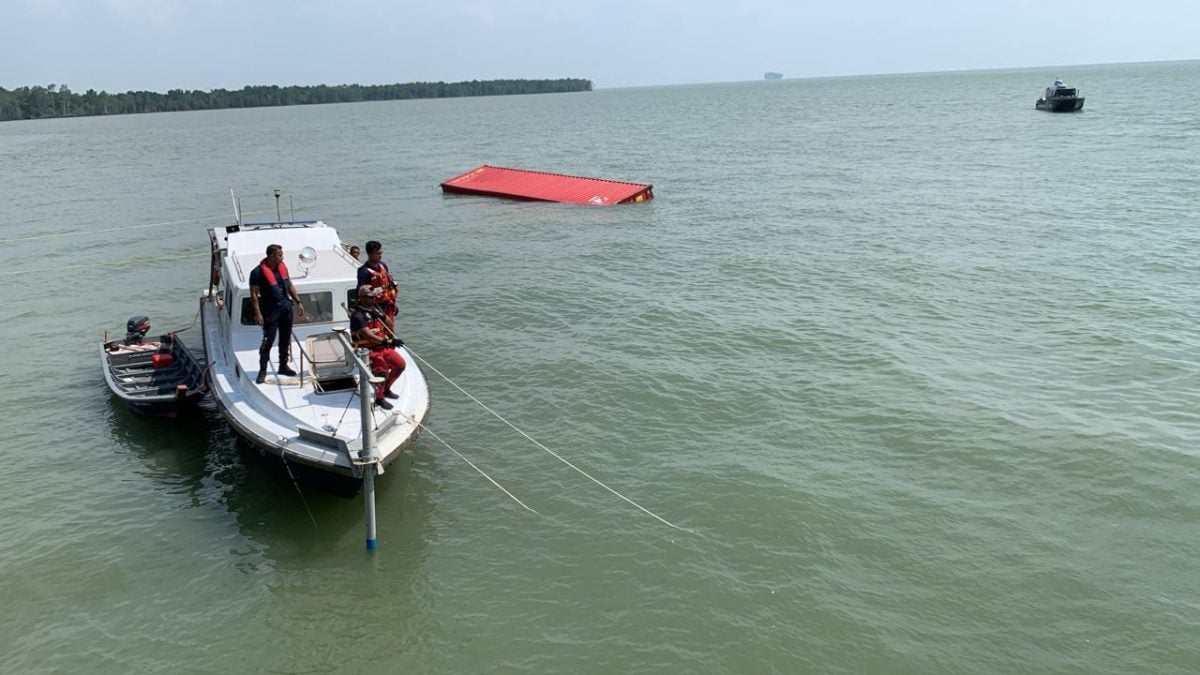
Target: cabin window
[318,308]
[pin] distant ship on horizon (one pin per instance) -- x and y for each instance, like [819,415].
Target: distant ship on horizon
[772,75]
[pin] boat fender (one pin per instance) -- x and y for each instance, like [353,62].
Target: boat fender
[161,360]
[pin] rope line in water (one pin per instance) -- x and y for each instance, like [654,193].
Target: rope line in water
[200,219]
[543,447]
[296,483]
[114,264]
[71,233]
[187,327]
[470,463]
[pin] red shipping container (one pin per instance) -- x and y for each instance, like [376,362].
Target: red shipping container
[497,181]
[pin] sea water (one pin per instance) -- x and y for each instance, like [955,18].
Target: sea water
[911,365]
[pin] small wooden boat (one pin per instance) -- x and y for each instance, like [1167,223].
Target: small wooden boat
[155,377]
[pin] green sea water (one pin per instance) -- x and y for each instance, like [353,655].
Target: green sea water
[912,364]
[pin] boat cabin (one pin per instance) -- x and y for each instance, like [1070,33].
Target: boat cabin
[325,278]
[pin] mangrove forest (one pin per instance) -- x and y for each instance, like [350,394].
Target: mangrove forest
[27,103]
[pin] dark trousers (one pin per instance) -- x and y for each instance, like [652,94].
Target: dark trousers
[277,321]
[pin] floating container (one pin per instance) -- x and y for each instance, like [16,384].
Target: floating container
[498,181]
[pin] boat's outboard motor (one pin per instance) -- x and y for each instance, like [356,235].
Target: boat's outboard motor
[136,329]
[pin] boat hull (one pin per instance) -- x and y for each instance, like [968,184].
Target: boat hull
[325,461]
[334,484]
[1060,105]
[147,387]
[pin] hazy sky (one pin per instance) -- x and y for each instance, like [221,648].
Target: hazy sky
[119,45]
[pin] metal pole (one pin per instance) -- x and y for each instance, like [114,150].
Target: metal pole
[278,216]
[366,397]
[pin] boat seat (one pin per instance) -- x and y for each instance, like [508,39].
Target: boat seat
[332,367]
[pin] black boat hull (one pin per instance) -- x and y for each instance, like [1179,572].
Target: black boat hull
[1060,105]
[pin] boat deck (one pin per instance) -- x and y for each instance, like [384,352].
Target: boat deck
[315,425]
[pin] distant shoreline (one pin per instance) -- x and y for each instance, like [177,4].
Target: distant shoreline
[30,103]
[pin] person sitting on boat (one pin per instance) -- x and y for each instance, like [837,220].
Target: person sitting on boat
[375,273]
[272,296]
[368,331]
[355,252]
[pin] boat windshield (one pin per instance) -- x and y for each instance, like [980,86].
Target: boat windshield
[318,308]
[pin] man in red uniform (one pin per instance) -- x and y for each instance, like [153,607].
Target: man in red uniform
[375,273]
[367,330]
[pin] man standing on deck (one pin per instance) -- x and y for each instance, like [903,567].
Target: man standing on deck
[375,273]
[271,296]
[367,331]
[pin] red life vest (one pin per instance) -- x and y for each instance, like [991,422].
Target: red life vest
[373,323]
[279,293]
[269,274]
[381,278]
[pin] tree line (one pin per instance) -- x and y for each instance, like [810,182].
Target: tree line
[27,103]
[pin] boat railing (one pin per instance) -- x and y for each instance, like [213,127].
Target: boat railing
[278,225]
[237,265]
[303,355]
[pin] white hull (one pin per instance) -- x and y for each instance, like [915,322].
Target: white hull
[292,417]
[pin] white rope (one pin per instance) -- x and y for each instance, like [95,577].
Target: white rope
[295,483]
[535,442]
[115,264]
[201,219]
[470,463]
[71,233]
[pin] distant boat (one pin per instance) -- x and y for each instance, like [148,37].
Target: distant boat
[1060,98]
[772,75]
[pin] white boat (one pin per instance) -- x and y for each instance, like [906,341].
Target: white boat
[312,421]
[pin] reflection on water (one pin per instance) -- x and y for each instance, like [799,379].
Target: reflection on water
[174,450]
[199,455]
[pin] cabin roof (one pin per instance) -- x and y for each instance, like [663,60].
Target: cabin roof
[333,264]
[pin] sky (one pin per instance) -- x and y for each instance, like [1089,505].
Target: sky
[157,45]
